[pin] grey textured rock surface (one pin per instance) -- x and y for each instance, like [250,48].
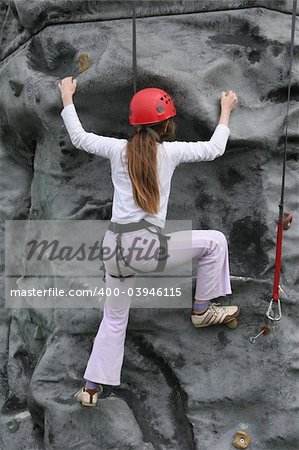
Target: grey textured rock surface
[182,388]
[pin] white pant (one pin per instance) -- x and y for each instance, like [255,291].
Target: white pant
[209,247]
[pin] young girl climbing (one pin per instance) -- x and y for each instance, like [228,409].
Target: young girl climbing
[141,170]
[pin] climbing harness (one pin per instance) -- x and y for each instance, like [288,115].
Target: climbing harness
[284,219]
[119,229]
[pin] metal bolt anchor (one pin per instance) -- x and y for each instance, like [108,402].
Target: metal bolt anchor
[265,331]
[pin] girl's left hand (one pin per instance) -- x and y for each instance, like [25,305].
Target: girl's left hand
[67,87]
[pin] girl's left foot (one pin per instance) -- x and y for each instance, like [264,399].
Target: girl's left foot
[88,397]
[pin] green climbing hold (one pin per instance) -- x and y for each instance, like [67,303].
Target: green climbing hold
[13,426]
[38,334]
[16,88]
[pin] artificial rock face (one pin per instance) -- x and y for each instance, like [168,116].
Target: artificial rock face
[182,388]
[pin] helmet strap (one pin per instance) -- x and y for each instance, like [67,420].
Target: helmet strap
[149,130]
[153,133]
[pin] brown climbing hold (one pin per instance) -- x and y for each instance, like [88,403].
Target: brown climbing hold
[84,63]
[241,440]
[266,330]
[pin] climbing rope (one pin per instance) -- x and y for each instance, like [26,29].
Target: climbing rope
[134,48]
[284,219]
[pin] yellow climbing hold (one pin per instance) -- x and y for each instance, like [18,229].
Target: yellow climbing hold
[232,324]
[241,440]
[84,63]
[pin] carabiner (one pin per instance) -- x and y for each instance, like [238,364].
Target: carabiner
[271,314]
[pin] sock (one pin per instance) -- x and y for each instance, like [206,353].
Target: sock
[200,306]
[91,385]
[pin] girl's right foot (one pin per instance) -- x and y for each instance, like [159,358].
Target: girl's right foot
[215,315]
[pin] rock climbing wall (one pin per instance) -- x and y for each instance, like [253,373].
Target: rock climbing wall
[181,388]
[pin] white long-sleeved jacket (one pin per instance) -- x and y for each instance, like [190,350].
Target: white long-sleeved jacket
[170,155]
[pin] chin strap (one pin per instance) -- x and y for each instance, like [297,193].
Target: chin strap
[150,131]
[153,133]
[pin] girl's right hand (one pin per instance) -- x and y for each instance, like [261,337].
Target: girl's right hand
[67,87]
[229,100]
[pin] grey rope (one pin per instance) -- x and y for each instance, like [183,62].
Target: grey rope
[134,45]
[281,204]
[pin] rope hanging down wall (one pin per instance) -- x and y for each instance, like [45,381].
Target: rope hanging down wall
[134,48]
[284,219]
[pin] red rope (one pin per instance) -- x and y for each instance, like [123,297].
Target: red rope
[277,261]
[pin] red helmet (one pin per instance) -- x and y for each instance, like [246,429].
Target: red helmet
[150,106]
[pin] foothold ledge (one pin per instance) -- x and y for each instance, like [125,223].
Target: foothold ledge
[241,439]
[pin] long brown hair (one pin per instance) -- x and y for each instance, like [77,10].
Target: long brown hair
[142,163]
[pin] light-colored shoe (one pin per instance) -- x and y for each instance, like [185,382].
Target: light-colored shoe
[215,314]
[88,398]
